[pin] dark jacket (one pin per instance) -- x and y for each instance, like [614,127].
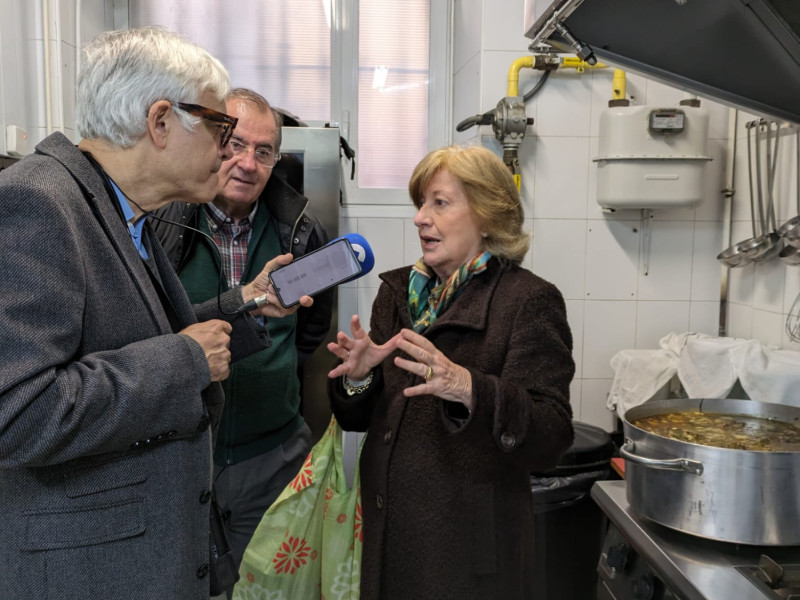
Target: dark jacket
[105,462]
[299,233]
[258,415]
[447,503]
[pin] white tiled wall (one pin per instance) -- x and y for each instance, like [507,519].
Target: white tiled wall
[598,259]
[22,89]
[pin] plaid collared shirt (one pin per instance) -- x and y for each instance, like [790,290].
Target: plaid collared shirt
[232,240]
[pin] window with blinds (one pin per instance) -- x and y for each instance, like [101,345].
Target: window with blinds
[392,90]
[283,51]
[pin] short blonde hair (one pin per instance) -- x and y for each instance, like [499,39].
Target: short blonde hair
[491,192]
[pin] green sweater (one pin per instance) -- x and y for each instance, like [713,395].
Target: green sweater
[262,393]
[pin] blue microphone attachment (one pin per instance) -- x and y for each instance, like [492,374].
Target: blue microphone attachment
[362,251]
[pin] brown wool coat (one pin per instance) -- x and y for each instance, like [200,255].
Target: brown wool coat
[447,506]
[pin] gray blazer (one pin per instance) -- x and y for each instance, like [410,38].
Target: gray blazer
[105,444]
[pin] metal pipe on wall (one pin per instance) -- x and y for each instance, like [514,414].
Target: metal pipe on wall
[59,72]
[727,218]
[48,106]
[78,44]
[78,34]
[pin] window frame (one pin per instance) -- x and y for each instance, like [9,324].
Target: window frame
[344,88]
[344,92]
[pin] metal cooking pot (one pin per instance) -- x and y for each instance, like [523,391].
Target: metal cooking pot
[742,496]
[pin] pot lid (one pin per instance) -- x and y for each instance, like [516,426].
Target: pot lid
[745,53]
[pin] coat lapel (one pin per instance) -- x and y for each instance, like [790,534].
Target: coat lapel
[97,197]
[170,284]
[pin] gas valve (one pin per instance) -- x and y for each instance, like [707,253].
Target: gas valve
[510,121]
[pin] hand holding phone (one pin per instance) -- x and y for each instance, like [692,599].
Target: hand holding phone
[315,272]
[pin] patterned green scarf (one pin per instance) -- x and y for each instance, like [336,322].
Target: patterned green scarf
[426,301]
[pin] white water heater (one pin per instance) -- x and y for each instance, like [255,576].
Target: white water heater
[652,157]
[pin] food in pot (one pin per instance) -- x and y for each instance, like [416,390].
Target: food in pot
[738,432]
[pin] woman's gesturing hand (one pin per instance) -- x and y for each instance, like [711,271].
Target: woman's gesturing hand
[359,353]
[442,377]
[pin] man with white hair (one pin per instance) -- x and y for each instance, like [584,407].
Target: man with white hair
[109,388]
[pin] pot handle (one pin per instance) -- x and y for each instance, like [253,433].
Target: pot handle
[672,464]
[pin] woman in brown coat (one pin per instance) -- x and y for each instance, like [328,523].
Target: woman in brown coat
[463,386]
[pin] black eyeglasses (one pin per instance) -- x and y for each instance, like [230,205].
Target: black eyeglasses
[227,122]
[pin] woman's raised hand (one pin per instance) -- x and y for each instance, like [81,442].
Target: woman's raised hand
[359,354]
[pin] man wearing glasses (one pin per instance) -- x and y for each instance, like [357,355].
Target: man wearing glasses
[108,375]
[263,438]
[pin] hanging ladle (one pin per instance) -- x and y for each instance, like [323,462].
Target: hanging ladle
[790,255]
[774,243]
[734,256]
[759,246]
[790,231]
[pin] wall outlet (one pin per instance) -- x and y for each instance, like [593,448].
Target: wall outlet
[16,141]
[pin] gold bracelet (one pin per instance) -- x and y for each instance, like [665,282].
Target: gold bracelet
[359,386]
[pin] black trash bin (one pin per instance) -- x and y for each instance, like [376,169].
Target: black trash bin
[568,527]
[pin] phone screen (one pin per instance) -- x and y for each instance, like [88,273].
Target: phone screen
[315,272]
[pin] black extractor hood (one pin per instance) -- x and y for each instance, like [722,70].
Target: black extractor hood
[744,53]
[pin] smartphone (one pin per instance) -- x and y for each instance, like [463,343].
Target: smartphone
[315,272]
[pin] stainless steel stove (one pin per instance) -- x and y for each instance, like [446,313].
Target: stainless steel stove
[642,560]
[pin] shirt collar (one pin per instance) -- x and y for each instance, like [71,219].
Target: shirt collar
[219,218]
[134,229]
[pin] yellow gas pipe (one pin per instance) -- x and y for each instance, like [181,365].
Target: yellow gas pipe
[543,63]
[573,62]
[513,73]
[619,84]
[536,62]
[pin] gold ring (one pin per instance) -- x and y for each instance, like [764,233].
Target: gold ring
[429,374]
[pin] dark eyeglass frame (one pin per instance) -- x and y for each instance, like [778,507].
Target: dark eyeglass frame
[209,114]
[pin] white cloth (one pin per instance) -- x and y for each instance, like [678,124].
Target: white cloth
[639,374]
[707,367]
[768,374]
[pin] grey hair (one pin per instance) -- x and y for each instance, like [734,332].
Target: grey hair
[124,72]
[261,104]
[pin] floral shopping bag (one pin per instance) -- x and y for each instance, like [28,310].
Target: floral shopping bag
[308,544]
